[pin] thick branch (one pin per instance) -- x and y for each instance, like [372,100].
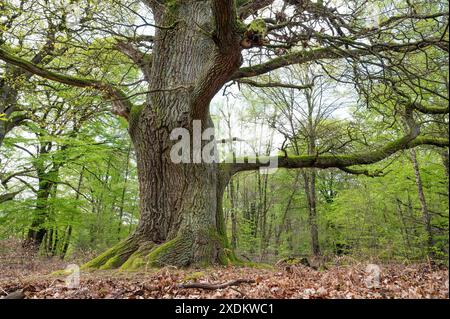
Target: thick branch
[8,196]
[226,22]
[122,105]
[306,56]
[141,59]
[274,85]
[252,7]
[430,109]
[333,161]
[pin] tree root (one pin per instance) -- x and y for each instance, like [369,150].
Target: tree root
[115,256]
[187,249]
[207,286]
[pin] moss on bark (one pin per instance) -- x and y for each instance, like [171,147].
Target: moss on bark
[187,249]
[137,260]
[191,249]
[113,257]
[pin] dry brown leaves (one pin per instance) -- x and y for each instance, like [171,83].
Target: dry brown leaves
[20,271]
[396,281]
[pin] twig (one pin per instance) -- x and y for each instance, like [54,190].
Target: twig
[207,286]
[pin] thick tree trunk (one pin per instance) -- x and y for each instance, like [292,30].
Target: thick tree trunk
[178,201]
[38,230]
[181,217]
[181,220]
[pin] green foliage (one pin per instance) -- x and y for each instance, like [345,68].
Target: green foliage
[94,196]
[258,26]
[366,217]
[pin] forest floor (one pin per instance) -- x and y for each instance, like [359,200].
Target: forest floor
[346,278]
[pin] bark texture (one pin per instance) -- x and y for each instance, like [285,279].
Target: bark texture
[181,215]
[196,49]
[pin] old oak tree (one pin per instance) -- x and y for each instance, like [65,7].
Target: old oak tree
[199,46]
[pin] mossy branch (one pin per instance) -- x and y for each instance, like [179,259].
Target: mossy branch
[430,109]
[343,161]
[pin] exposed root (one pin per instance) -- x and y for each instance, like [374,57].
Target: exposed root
[187,249]
[176,252]
[138,259]
[115,256]
[207,286]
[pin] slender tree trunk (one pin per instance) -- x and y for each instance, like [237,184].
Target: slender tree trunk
[264,240]
[101,205]
[310,177]
[445,162]
[69,228]
[284,216]
[122,199]
[232,193]
[67,238]
[405,230]
[233,215]
[423,203]
[55,238]
[310,189]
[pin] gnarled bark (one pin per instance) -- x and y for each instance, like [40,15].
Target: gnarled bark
[181,215]
[196,50]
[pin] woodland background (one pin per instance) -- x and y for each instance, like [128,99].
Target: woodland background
[63,153]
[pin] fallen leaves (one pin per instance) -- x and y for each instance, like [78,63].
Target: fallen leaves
[351,281]
[343,282]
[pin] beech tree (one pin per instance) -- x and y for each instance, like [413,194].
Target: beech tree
[197,48]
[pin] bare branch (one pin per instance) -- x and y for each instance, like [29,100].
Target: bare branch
[207,286]
[306,56]
[274,85]
[252,7]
